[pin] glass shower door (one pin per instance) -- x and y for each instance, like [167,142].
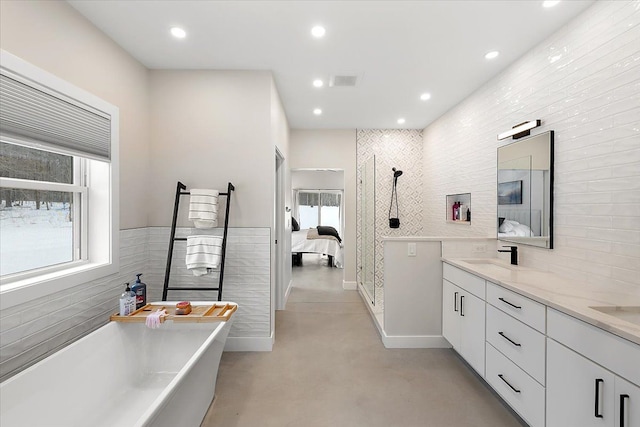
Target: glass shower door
[367,224]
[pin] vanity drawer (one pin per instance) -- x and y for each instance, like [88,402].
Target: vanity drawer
[521,344]
[522,308]
[467,281]
[521,392]
[608,350]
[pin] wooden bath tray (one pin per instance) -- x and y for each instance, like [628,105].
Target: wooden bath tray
[199,313]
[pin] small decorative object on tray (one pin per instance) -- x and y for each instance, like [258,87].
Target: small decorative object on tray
[183,307]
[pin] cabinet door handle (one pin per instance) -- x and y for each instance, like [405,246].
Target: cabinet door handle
[509,339]
[507,383]
[455,301]
[622,399]
[507,302]
[597,413]
[462,305]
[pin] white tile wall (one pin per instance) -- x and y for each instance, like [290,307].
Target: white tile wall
[584,83]
[247,275]
[32,331]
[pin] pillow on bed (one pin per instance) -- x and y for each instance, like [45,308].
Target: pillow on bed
[326,230]
[294,224]
[507,226]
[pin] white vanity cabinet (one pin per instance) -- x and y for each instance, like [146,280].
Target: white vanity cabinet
[579,392]
[463,315]
[583,394]
[584,382]
[553,369]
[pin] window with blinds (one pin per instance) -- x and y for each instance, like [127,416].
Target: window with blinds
[58,182]
[317,207]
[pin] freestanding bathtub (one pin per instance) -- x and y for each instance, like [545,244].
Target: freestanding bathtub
[123,374]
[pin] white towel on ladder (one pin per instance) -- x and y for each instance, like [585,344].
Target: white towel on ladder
[203,253]
[203,208]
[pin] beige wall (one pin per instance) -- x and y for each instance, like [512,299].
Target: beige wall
[317,180]
[209,128]
[53,36]
[332,149]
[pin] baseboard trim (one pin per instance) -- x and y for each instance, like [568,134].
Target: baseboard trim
[415,341]
[349,286]
[249,344]
[400,341]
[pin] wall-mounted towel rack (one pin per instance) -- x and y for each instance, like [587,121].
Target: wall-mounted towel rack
[181,191]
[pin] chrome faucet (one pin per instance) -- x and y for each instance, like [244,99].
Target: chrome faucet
[514,253]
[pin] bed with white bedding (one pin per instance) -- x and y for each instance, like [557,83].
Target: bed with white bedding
[519,223]
[324,245]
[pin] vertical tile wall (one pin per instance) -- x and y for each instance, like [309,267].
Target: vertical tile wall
[247,275]
[32,331]
[401,149]
[584,83]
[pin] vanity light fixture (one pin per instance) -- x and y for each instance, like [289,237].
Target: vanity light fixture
[425,96]
[318,31]
[550,3]
[318,83]
[401,121]
[317,111]
[491,55]
[518,131]
[178,32]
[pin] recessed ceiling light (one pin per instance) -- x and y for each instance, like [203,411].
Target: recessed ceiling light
[178,32]
[550,3]
[318,31]
[401,121]
[318,83]
[425,96]
[317,111]
[492,54]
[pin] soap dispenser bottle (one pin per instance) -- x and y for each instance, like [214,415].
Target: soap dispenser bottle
[140,290]
[127,301]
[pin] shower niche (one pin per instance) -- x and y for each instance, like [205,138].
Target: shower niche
[458,208]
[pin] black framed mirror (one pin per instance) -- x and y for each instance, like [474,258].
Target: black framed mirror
[525,191]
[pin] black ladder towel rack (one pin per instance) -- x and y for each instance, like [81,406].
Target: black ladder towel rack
[181,191]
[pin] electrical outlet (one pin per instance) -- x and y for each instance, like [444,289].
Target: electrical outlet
[479,248]
[411,249]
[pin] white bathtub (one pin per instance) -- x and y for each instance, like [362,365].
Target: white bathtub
[123,374]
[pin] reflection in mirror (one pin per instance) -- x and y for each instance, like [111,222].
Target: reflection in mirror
[525,191]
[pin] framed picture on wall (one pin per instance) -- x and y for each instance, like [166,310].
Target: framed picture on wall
[510,193]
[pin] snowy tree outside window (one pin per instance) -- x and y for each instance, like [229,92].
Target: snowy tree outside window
[37,226]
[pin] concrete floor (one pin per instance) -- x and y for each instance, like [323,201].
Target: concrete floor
[328,367]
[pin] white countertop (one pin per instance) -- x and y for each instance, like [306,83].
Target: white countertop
[571,297]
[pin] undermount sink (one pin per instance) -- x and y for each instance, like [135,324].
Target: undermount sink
[627,313]
[493,262]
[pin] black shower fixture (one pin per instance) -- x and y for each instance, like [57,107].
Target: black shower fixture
[394,222]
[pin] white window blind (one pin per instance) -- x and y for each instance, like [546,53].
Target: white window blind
[34,117]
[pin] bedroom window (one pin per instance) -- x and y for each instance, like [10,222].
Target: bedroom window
[317,207]
[58,184]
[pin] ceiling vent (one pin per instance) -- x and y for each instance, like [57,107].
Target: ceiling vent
[343,81]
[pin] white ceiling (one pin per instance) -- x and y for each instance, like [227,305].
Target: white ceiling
[399,48]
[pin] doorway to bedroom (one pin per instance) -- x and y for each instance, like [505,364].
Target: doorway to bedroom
[317,244]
